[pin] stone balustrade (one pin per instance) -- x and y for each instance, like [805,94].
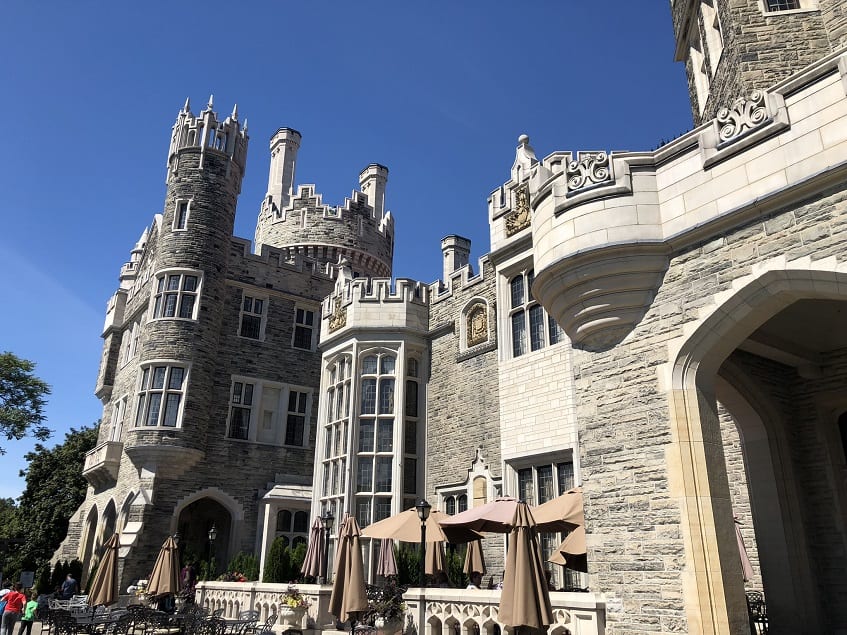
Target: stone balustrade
[102,463]
[442,611]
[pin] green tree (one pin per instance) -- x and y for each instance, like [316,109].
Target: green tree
[21,400]
[278,562]
[54,490]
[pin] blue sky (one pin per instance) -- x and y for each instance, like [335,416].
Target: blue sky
[437,91]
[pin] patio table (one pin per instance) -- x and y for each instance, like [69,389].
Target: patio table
[237,626]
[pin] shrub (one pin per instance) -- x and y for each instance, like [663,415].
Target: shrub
[246,564]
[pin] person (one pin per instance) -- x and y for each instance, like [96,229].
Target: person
[43,604]
[29,614]
[70,587]
[476,580]
[188,576]
[15,601]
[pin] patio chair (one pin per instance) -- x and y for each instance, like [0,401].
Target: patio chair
[218,612]
[264,629]
[757,612]
[248,615]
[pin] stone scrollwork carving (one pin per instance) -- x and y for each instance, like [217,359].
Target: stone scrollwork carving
[590,168]
[477,325]
[744,115]
[338,319]
[520,217]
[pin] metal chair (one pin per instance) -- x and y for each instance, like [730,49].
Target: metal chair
[264,629]
[757,611]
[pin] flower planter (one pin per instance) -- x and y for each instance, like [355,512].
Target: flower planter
[291,617]
[388,627]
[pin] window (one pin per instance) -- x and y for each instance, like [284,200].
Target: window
[175,295]
[295,425]
[160,393]
[251,324]
[129,343]
[118,416]
[335,430]
[256,413]
[304,328]
[531,328]
[181,215]
[540,483]
[782,5]
[712,32]
[292,526]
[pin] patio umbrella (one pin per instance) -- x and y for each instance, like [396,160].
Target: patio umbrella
[434,559]
[348,597]
[474,560]
[406,527]
[746,565]
[525,600]
[313,564]
[563,513]
[164,578]
[572,553]
[387,564]
[104,587]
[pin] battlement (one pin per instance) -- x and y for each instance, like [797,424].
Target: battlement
[367,303]
[208,134]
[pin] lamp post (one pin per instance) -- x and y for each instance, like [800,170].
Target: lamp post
[213,534]
[423,513]
[326,521]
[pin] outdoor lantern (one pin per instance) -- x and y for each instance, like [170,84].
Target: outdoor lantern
[176,538]
[213,533]
[328,520]
[423,513]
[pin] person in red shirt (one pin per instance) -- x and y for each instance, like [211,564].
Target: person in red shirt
[15,601]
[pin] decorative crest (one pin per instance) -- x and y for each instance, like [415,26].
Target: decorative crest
[338,319]
[520,217]
[589,169]
[743,116]
[477,325]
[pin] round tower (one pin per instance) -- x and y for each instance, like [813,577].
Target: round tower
[302,227]
[189,244]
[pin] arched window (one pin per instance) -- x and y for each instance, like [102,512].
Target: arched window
[301,522]
[450,505]
[283,520]
[530,327]
[462,502]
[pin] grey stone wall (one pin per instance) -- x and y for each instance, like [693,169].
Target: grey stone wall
[635,545]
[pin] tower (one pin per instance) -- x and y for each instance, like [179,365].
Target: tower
[732,48]
[303,227]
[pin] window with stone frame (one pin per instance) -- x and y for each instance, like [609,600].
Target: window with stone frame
[161,389]
[454,501]
[292,526]
[375,437]
[251,322]
[304,329]
[181,215]
[782,5]
[713,34]
[118,418]
[335,431]
[411,412]
[530,327]
[267,412]
[175,295]
[129,342]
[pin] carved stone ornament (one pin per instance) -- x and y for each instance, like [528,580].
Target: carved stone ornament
[590,168]
[520,217]
[743,116]
[338,319]
[477,325]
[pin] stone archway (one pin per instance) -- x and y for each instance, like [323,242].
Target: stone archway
[89,534]
[194,520]
[774,377]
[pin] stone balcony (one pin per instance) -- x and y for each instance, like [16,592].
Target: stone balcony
[102,463]
[440,611]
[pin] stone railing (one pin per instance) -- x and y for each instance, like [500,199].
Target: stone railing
[102,463]
[442,611]
[234,597]
[475,612]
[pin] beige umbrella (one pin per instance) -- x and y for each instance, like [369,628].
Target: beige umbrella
[406,527]
[563,513]
[474,560]
[495,517]
[746,565]
[348,597]
[434,559]
[164,578]
[104,587]
[313,564]
[572,553]
[387,564]
[525,600]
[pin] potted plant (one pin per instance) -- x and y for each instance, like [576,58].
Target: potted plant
[386,608]
[292,607]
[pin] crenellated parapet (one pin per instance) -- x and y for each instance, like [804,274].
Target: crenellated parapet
[604,226]
[373,303]
[208,134]
[360,230]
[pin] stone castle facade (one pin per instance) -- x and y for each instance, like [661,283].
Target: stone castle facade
[664,328]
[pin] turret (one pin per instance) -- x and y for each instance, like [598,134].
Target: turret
[284,146]
[456,251]
[372,182]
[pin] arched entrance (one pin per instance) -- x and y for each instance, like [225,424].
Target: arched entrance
[194,523]
[89,534]
[773,354]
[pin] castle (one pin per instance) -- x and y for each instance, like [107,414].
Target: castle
[665,328]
